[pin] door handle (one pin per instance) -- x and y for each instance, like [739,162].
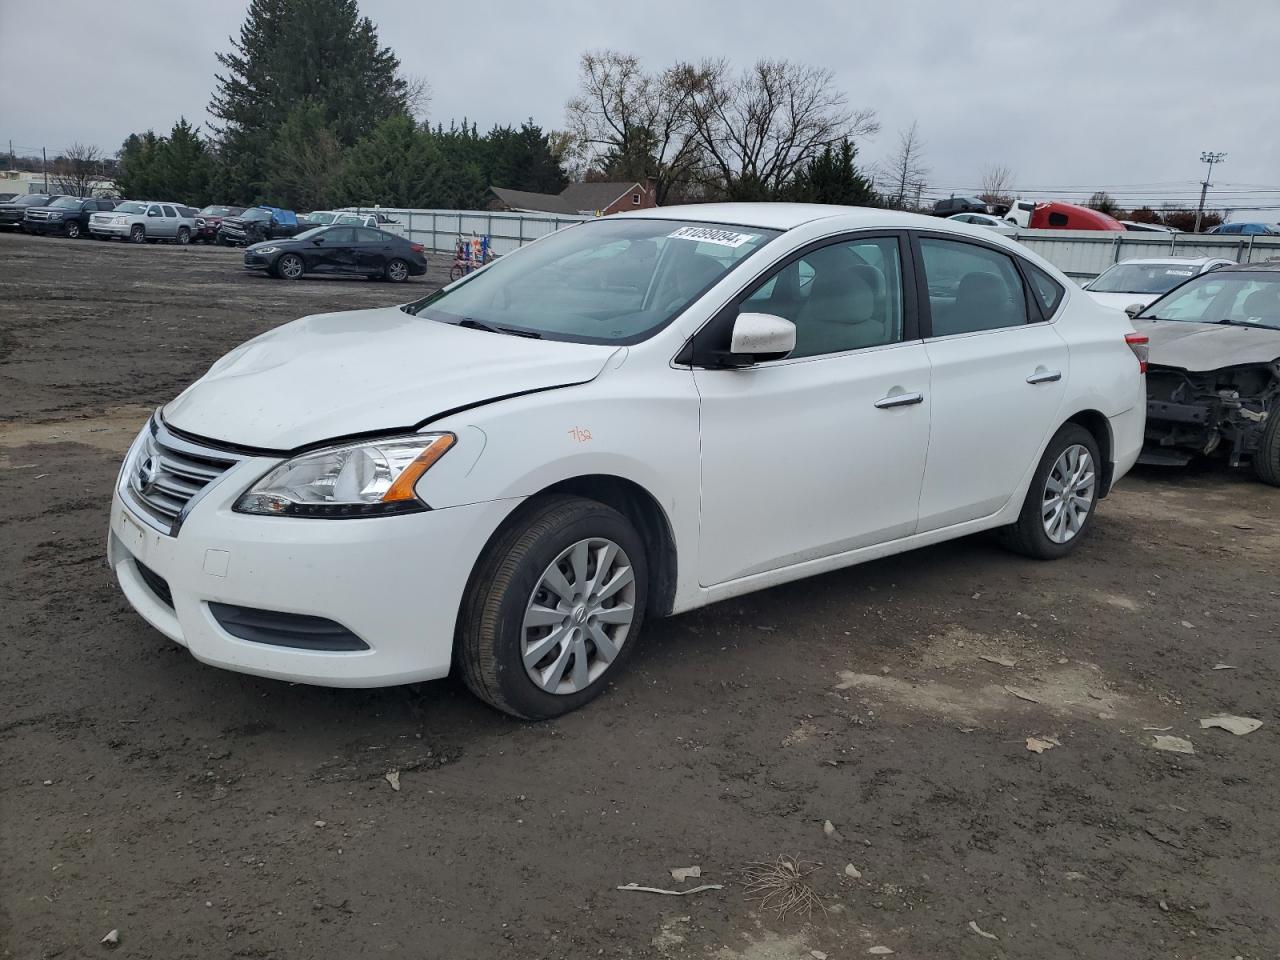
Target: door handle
[1044,376]
[899,400]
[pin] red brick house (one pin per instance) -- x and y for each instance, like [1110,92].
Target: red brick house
[591,199]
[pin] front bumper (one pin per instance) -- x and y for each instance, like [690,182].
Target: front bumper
[395,582]
[255,261]
[110,229]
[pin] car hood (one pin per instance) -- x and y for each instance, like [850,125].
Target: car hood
[1200,347]
[337,374]
[1121,300]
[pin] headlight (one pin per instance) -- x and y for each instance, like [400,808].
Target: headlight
[55,216]
[266,250]
[356,480]
[122,220]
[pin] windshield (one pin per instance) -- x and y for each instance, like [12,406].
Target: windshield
[66,203]
[131,206]
[31,200]
[257,213]
[1143,277]
[348,218]
[605,281]
[1252,299]
[321,217]
[219,211]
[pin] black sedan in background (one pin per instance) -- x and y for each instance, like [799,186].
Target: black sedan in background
[348,251]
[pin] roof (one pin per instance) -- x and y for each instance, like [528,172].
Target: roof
[1268,265]
[576,198]
[784,216]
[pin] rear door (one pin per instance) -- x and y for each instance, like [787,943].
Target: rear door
[999,373]
[373,250]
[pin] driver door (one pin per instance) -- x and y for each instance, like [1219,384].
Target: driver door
[821,452]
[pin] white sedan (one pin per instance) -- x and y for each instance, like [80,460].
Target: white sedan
[1143,281]
[984,220]
[632,417]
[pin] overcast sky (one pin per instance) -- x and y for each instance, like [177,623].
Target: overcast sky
[1122,95]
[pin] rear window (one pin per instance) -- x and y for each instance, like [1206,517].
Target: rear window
[1047,290]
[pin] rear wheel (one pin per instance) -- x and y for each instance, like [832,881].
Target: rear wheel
[137,233]
[1266,459]
[397,271]
[1062,497]
[72,230]
[290,267]
[553,609]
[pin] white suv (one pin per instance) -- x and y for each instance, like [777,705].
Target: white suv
[631,417]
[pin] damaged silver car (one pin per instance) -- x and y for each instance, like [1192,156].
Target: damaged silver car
[1213,377]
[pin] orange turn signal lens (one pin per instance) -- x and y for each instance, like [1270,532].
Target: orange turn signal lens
[402,489]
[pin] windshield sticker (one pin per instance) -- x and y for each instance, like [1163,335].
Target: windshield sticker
[721,238]
[1179,273]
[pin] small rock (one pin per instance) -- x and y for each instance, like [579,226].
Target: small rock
[393,777]
[320,823]
[1172,744]
[851,871]
[1164,906]
[973,925]
[828,828]
[880,951]
[111,939]
[48,783]
[681,874]
[1188,624]
[1041,744]
[817,955]
[1233,724]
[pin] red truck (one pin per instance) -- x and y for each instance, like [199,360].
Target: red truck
[1056,215]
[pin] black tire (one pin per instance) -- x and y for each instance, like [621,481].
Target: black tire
[487,647]
[184,236]
[289,266]
[1266,459]
[73,230]
[137,233]
[396,270]
[455,273]
[1028,535]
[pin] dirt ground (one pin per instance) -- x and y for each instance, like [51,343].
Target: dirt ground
[206,814]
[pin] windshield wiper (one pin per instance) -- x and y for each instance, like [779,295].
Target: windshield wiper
[490,328]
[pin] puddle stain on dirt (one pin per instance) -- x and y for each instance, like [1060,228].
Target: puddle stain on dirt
[111,431]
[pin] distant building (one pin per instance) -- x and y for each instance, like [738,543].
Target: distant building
[589,199]
[25,181]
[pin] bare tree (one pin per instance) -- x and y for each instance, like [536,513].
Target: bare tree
[633,122]
[759,127]
[417,96]
[997,184]
[904,172]
[78,171]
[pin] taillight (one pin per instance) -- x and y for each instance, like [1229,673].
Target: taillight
[1138,343]
[417,248]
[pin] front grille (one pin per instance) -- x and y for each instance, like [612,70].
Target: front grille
[168,472]
[37,215]
[156,584]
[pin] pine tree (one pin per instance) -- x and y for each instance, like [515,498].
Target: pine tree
[303,161]
[832,177]
[396,166]
[290,51]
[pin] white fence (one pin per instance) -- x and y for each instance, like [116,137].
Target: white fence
[1077,253]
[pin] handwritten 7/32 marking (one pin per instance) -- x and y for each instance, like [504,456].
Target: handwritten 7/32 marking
[580,434]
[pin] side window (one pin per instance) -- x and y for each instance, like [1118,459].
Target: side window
[1046,289]
[169,211]
[153,210]
[339,235]
[1057,219]
[365,235]
[971,288]
[844,296]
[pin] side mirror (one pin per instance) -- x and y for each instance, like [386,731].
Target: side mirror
[762,336]
[317,241]
[1134,309]
[153,213]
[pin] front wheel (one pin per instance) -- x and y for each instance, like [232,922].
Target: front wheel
[290,267]
[455,273]
[397,271]
[137,233]
[553,608]
[184,236]
[1266,459]
[1061,500]
[72,230]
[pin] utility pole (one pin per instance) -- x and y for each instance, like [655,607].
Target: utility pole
[44,162]
[1209,158]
